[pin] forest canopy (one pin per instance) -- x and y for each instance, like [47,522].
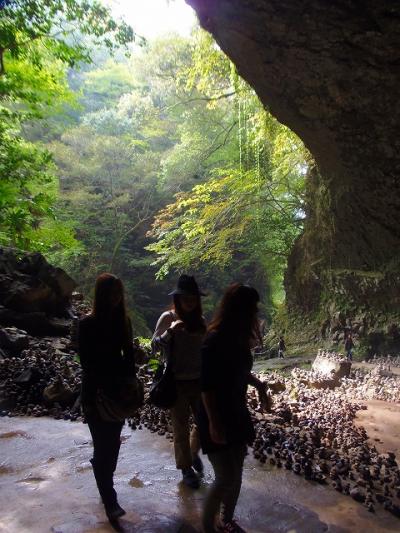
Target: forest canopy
[147,163]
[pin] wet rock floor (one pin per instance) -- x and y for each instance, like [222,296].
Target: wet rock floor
[46,485]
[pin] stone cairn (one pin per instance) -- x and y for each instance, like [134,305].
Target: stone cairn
[376,384]
[312,433]
[386,361]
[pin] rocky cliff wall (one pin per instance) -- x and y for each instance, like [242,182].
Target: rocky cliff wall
[330,71]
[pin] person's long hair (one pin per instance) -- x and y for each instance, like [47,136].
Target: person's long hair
[193,320]
[103,311]
[237,313]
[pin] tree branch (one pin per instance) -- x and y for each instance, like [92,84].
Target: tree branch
[121,239]
[211,150]
[2,71]
[201,99]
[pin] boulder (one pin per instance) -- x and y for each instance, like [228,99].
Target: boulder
[28,377]
[36,323]
[59,392]
[13,339]
[28,284]
[333,369]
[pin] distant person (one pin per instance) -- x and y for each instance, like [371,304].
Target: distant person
[106,354]
[225,423]
[281,347]
[348,346]
[181,330]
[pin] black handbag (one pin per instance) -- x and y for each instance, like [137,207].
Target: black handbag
[122,404]
[163,390]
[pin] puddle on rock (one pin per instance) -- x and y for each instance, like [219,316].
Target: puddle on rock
[136,483]
[13,434]
[78,524]
[32,479]
[5,469]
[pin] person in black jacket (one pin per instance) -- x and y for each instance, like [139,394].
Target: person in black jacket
[106,354]
[224,421]
[348,346]
[281,347]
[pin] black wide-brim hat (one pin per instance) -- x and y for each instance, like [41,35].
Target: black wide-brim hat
[187,285]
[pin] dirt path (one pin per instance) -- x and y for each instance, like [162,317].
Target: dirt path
[285,364]
[382,423]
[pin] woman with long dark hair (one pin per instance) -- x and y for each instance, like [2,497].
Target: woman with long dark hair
[224,420]
[181,331]
[106,354]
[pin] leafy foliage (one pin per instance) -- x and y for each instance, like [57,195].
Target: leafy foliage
[38,40]
[250,207]
[58,24]
[160,163]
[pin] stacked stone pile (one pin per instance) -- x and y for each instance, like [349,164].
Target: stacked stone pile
[334,357]
[315,436]
[327,370]
[41,382]
[387,361]
[40,376]
[150,417]
[313,378]
[311,432]
[373,385]
[331,370]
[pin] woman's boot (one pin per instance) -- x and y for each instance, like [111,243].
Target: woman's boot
[105,484]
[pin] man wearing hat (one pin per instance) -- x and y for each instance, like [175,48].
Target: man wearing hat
[181,331]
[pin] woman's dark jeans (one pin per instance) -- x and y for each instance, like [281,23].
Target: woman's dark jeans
[224,492]
[106,443]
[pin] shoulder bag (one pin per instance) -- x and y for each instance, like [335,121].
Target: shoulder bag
[163,390]
[124,403]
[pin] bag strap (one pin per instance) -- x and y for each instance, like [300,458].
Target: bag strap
[170,348]
[167,349]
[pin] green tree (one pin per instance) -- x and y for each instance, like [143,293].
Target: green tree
[58,25]
[246,214]
[38,41]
